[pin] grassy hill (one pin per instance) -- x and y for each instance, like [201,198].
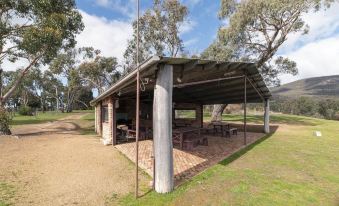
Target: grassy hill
[318,87]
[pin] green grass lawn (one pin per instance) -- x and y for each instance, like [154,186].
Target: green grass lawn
[88,120]
[39,118]
[7,192]
[288,167]
[45,117]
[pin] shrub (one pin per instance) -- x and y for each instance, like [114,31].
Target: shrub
[328,108]
[25,111]
[4,122]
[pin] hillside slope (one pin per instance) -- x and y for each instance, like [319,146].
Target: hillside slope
[318,87]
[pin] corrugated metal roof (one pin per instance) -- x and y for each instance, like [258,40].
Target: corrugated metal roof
[195,73]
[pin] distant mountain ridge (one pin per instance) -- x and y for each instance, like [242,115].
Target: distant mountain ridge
[317,87]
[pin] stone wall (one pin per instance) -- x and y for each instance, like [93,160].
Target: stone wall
[104,129]
[107,130]
[106,134]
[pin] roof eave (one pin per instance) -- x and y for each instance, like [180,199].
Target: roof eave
[116,86]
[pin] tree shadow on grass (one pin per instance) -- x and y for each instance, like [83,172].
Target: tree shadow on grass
[275,119]
[249,147]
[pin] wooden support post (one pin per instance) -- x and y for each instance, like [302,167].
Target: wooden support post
[202,115]
[267,116]
[96,119]
[114,123]
[162,128]
[245,110]
[99,119]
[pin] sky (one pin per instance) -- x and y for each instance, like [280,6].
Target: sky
[108,24]
[108,28]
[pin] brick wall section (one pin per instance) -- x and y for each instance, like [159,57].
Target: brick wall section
[107,127]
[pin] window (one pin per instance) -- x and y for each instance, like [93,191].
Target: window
[185,114]
[104,113]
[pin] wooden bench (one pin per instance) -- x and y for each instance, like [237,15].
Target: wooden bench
[131,135]
[193,141]
[229,131]
[181,124]
[207,130]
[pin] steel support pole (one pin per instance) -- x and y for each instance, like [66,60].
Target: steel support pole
[267,117]
[137,113]
[245,110]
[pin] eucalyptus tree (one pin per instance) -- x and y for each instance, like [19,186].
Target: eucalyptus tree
[65,65]
[99,72]
[50,90]
[24,92]
[33,31]
[256,30]
[159,31]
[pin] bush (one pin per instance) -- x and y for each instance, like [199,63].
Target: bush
[25,111]
[4,122]
[328,108]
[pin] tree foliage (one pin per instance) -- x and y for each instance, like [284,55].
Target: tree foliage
[84,67]
[255,31]
[329,109]
[35,90]
[35,30]
[99,72]
[307,106]
[158,31]
[4,122]
[66,66]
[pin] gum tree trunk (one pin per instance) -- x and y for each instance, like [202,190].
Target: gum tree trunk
[218,109]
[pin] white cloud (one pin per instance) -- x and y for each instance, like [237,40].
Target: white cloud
[317,52]
[125,7]
[192,2]
[323,24]
[318,58]
[190,42]
[187,26]
[103,3]
[110,36]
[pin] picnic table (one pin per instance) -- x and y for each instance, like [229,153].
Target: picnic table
[181,124]
[179,134]
[129,134]
[220,126]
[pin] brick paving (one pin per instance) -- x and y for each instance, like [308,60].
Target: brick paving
[189,163]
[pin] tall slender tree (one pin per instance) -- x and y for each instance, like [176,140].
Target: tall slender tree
[159,31]
[66,65]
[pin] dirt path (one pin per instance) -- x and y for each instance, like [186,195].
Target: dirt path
[52,164]
[66,125]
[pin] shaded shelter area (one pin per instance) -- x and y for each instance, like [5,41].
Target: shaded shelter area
[173,93]
[188,163]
